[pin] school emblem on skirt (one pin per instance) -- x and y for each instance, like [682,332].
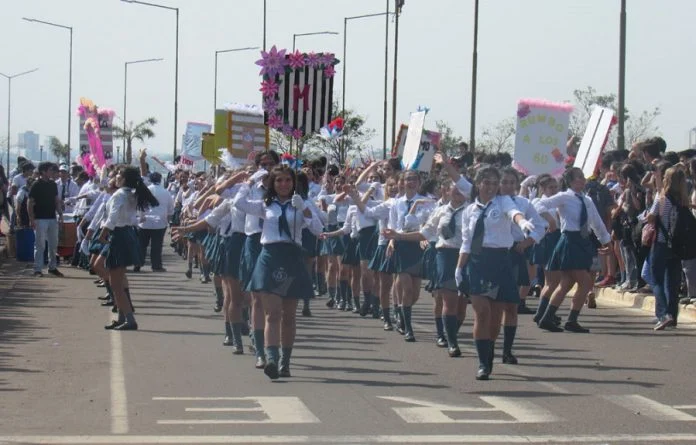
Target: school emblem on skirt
[279,275]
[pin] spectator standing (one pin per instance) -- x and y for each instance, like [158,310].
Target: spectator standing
[44,205]
[4,189]
[153,224]
[67,189]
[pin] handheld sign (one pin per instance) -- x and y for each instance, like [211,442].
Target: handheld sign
[418,154]
[593,141]
[432,137]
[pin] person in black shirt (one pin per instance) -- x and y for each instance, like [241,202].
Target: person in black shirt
[44,204]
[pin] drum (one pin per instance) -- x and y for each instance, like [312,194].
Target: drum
[67,238]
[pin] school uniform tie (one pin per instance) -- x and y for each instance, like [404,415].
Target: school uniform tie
[479,231]
[283,226]
[584,231]
[452,225]
[409,204]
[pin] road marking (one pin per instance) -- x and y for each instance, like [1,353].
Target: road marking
[521,411]
[650,408]
[276,410]
[684,407]
[119,400]
[368,439]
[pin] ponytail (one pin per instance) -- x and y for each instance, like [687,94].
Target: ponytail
[144,196]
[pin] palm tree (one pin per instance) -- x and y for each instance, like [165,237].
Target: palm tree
[59,150]
[140,132]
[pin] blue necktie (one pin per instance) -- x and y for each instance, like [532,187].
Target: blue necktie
[283,226]
[583,216]
[479,231]
[452,226]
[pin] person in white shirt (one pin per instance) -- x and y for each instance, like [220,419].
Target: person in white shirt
[484,269]
[68,189]
[153,224]
[119,229]
[573,253]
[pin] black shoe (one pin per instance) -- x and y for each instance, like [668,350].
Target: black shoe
[238,350]
[400,329]
[114,309]
[126,327]
[388,326]
[55,273]
[409,337]
[136,269]
[330,303]
[189,274]
[364,309]
[260,363]
[441,342]
[482,373]
[245,329]
[38,273]
[306,312]
[217,307]
[549,326]
[524,310]
[101,284]
[104,297]
[108,302]
[557,320]
[574,326]
[113,324]
[271,370]
[284,371]
[341,306]
[509,359]
[454,352]
[159,270]
[98,281]
[376,313]
[356,310]
[228,341]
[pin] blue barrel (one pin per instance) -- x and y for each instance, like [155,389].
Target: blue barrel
[25,244]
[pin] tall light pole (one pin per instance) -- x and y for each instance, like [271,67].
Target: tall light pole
[345,63]
[399,6]
[622,76]
[125,93]
[264,25]
[295,36]
[70,110]
[474,74]
[176,63]
[386,80]
[9,108]
[248,48]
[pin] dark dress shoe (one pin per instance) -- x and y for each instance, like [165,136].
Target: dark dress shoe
[114,309]
[284,371]
[113,324]
[159,270]
[228,341]
[441,342]
[557,320]
[376,314]
[217,307]
[341,306]
[260,363]
[364,309]
[388,326]
[524,310]
[509,359]
[188,274]
[126,327]
[574,326]
[409,337]
[108,303]
[104,297]
[306,312]
[136,269]
[98,281]
[355,310]
[482,373]
[238,350]
[271,370]
[330,303]
[454,352]
[549,326]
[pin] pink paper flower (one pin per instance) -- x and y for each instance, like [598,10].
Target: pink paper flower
[275,120]
[313,59]
[296,60]
[523,111]
[297,133]
[269,88]
[326,59]
[272,62]
[287,130]
[270,103]
[329,71]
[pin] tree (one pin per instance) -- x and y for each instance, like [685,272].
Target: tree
[139,132]
[498,138]
[59,150]
[635,129]
[353,142]
[449,142]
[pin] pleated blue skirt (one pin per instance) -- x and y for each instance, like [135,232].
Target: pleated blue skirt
[124,248]
[230,255]
[541,251]
[408,258]
[332,246]
[380,262]
[490,274]
[351,256]
[250,253]
[279,272]
[572,252]
[519,266]
[309,244]
[445,265]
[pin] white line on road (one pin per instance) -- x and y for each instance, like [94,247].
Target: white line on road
[416,439]
[650,408]
[119,401]
[222,410]
[684,407]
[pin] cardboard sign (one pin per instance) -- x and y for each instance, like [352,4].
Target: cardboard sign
[541,136]
[593,141]
[240,129]
[433,137]
[418,153]
[193,139]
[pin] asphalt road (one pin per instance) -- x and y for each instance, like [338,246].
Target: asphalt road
[64,379]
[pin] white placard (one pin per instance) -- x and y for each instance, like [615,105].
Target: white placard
[418,154]
[593,141]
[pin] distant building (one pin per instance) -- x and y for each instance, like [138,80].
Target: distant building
[29,143]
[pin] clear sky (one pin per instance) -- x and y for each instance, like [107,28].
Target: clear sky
[533,48]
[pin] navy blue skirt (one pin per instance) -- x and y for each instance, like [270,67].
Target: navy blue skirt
[230,255]
[541,251]
[351,256]
[519,266]
[408,257]
[428,266]
[196,237]
[250,252]
[125,248]
[367,243]
[380,262]
[279,272]
[572,252]
[490,274]
[95,246]
[211,244]
[445,265]
[332,246]
[309,244]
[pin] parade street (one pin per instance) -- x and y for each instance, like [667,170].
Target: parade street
[65,380]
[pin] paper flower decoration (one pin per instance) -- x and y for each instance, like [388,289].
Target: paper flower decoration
[287,130]
[297,133]
[296,60]
[326,59]
[333,129]
[269,88]
[270,103]
[523,111]
[313,59]
[272,62]
[275,121]
[329,71]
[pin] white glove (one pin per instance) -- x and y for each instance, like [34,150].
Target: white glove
[459,276]
[84,247]
[259,175]
[298,202]
[79,234]
[526,226]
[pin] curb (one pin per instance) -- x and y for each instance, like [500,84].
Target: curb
[639,301]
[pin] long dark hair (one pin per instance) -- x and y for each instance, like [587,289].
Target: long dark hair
[482,173]
[143,195]
[271,193]
[3,177]
[568,175]
[302,184]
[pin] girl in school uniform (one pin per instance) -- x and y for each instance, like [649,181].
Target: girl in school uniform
[278,278]
[573,253]
[124,250]
[333,247]
[484,268]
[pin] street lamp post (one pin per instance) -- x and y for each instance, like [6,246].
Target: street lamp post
[125,92]
[295,36]
[622,75]
[474,74]
[248,48]
[176,63]
[264,25]
[69,28]
[345,62]
[386,80]
[9,108]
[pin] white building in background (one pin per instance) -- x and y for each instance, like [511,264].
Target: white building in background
[28,142]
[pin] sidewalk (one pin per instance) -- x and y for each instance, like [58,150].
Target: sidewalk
[639,301]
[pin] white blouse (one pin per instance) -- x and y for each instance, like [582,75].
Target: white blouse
[530,214]
[500,215]
[121,209]
[569,207]
[437,227]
